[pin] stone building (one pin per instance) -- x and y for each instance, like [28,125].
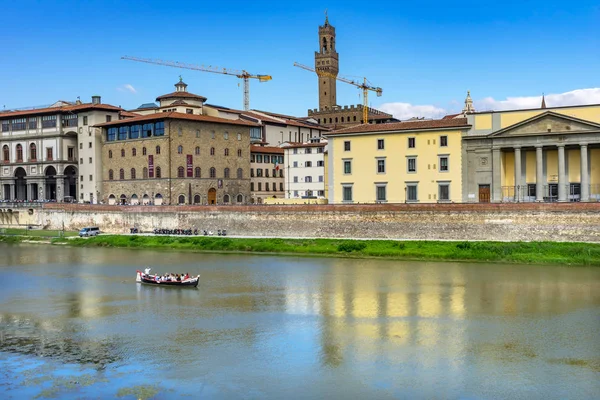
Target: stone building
[305,169]
[176,158]
[329,113]
[266,173]
[52,153]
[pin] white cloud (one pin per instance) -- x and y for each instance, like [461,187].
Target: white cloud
[404,111]
[574,97]
[127,88]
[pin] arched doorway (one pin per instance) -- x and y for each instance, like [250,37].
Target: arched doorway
[123,199]
[134,200]
[20,184]
[212,196]
[197,199]
[50,183]
[145,199]
[226,199]
[158,199]
[181,199]
[70,182]
[111,199]
[240,198]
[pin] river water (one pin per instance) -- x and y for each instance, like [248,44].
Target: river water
[74,324]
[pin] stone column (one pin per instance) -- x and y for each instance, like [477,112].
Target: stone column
[29,196]
[562,179]
[585,177]
[42,189]
[517,174]
[60,181]
[12,191]
[496,176]
[539,173]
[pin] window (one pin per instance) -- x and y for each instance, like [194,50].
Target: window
[320,150]
[212,134]
[412,164]
[180,149]
[121,174]
[281,186]
[411,192]
[411,142]
[197,172]
[110,154]
[5,153]
[81,161]
[295,179]
[134,131]
[89,145]
[251,172]
[322,192]
[108,118]
[240,173]
[226,152]
[226,135]
[212,151]
[70,153]
[189,111]
[147,130]
[85,120]
[111,175]
[197,151]
[259,158]
[295,193]
[308,151]
[159,129]
[266,186]
[5,125]
[320,178]
[33,123]
[158,172]
[122,152]
[143,151]
[259,172]
[274,173]
[347,193]
[259,186]
[226,173]
[213,172]
[134,152]
[443,141]
[239,136]
[281,173]
[66,120]
[380,144]
[308,164]
[239,152]
[180,172]
[274,186]
[240,198]
[308,179]
[347,145]
[267,159]
[91,178]
[145,173]
[157,149]
[252,186]
[443,163]
[49,121]
[90,160]
[19,153]
[531,190]
[267,172]
[181,199]
[320,163]
[179,131]
[444,191]
[197,133]
[32,152]
[111,134]
[123,133]
[295,164]
[380,194]
[295,151]
[132,173]
[381,166]
[347,167]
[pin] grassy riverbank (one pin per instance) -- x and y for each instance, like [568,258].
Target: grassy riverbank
[508,252]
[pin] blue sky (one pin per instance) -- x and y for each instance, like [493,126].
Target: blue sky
[424,55]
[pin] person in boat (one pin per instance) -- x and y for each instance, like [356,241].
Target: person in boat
[178,278]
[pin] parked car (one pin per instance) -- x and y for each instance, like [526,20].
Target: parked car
[89,231]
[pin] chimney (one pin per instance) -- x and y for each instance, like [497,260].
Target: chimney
[96,100]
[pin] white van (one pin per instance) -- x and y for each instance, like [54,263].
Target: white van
[89,231]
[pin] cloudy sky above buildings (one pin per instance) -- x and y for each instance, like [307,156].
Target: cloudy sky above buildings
[425,55]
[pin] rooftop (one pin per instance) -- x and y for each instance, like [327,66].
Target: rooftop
[266,149]
[403,126]
[61,109]
[179,116]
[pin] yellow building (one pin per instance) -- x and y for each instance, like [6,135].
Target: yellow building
[415,161]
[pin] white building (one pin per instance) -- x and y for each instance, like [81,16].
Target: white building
[53,153]
[305,169]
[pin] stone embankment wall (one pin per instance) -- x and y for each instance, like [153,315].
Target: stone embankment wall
[525,221]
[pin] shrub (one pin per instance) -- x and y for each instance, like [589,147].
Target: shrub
[351,246]
[463,245]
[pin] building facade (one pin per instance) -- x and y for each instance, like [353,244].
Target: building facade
[266,173]
[405,162]
[176,158]
[305,169]
[541,155]
[53,153]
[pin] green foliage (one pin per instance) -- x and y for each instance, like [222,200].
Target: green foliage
[351,246]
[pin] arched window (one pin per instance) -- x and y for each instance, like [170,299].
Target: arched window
[240,173]
[110,154]
[32,152]
[355,118]
[180,172]
[143,151]
[197,151]
[5,153]
[111,175]
[145,173]
[342,119]
[158,172]
[133,152]
[324,44]
[157,149]
[197,199]
[226,152]
[121,174]
[239,152]
[240,198]
[226,199]
[226,173]
[181,199]
[19,152]
[212,151]
[132,173]
[197,172]
[213,172]
[336,120]
[180,149]
[330,120]
[122,152]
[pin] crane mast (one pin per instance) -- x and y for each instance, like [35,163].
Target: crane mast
[242,74]
[365,86]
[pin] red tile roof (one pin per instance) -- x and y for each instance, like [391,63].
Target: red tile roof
[176,115]
[302,145]
[181,95]
[63,109]
[403,126]
[266,149]
[128,114]
[450,116]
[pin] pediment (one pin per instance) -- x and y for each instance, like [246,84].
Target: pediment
[546,124]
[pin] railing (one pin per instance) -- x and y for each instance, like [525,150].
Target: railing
[527,193]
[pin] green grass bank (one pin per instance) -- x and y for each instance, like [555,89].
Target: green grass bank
[506,252]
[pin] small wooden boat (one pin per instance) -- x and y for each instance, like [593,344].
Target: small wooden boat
[150,279]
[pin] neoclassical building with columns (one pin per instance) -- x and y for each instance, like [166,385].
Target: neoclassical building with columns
[537,155]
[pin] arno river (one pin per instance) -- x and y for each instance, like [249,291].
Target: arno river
[74,324]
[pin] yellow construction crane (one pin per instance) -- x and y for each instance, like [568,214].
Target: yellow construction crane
[216,70]
[365,86]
